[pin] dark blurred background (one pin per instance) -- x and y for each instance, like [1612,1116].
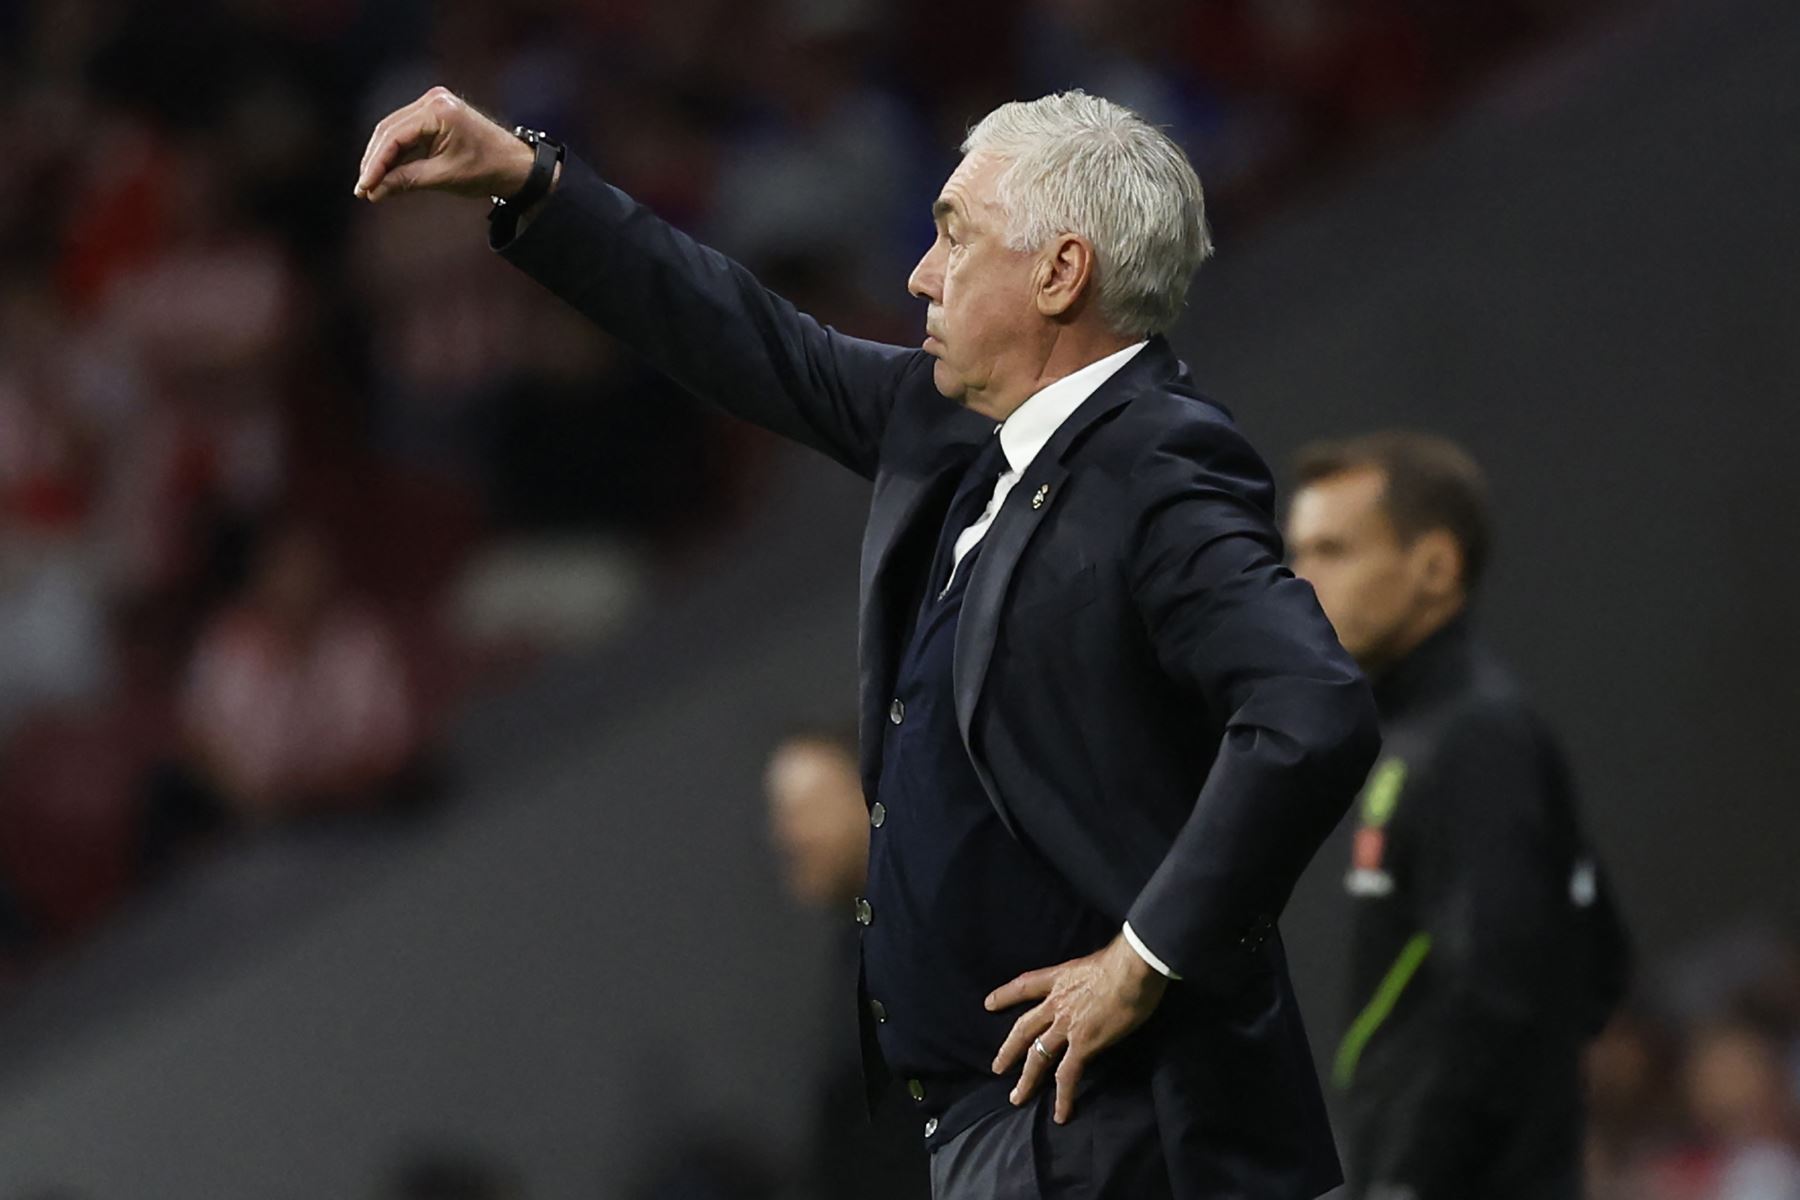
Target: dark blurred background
[388,662]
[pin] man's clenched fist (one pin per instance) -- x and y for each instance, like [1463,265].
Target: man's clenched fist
[439,142]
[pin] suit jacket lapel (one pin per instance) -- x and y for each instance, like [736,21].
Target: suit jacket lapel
[900,495]
[1029,502]
[979,623]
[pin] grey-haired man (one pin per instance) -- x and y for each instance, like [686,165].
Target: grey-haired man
[1103,728]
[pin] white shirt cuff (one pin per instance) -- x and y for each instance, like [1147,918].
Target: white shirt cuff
[1156,964]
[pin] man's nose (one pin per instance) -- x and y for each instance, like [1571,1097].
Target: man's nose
[924,280]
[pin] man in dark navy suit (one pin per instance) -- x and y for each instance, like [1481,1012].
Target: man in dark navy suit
[1103,728]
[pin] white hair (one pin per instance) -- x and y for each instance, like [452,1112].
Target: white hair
[1076,163]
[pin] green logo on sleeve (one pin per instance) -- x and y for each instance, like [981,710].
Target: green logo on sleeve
[1381,795]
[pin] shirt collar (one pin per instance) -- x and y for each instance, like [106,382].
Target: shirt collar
[1034,422]
[1441,659]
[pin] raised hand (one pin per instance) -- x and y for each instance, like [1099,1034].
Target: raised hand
[1087,1004]
[440,142]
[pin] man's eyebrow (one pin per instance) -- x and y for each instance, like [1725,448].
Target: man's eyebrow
[943,209]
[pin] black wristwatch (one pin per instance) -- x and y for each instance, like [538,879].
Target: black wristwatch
[547,152]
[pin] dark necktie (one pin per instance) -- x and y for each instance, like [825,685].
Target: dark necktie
[972,495]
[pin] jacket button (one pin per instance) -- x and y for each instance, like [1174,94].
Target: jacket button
[896,712]
[877,814]
[930,1126]
[916,1090]
[879,1011]
[865,913]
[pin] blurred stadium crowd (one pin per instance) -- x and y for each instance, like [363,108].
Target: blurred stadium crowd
[282,477]
[1694,1091]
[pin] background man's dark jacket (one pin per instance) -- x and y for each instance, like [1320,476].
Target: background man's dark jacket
[1487,948]
[1151,700]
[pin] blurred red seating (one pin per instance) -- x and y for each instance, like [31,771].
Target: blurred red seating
[68,806]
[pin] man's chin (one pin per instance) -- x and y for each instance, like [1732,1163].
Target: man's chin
[949,384]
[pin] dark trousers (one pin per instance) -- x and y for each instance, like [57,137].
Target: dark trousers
[1108,1150]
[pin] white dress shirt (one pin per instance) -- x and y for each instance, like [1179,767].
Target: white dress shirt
[1030,428]
[1022,435]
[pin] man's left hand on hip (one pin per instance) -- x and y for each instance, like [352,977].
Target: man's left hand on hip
[1086,1004]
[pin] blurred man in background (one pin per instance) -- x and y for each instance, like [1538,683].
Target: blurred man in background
[1741,1095]
[817,818]
[1486,950]
[820,826]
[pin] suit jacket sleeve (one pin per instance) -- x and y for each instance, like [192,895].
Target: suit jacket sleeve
[1229,621]
[706,322]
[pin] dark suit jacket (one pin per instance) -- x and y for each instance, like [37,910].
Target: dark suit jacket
[1151,700]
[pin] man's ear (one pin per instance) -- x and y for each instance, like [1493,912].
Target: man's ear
[1063,275]
[1438,562]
